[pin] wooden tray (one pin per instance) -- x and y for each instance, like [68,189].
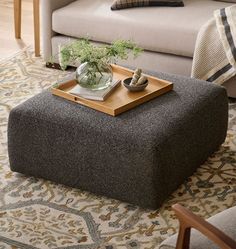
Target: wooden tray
[121,99]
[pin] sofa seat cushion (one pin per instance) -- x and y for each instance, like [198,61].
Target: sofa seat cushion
[225,221]
[159,29]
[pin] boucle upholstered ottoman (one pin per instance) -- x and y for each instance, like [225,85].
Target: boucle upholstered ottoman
[140,156]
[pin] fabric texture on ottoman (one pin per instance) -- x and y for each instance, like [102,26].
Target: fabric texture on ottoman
[140,156]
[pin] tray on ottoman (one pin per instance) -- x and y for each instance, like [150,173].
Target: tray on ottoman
[140,157]
[121,99]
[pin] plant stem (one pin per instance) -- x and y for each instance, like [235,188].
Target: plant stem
[96,65]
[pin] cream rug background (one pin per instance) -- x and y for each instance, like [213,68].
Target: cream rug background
[35,213]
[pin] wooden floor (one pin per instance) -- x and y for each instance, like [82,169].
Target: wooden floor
[8,44]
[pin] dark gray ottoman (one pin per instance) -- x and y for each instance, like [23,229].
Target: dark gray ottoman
[139,157]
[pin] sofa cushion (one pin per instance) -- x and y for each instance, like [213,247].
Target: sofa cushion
[125,4]
[228,1]
[167,30]
[225,221]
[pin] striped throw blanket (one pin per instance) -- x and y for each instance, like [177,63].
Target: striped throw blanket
[214,57]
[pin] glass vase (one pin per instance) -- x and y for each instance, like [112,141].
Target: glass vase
[94,76]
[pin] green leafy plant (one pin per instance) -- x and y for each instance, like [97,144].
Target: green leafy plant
[95,71]
[84,51]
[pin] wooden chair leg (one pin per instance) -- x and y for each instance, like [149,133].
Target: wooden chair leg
[17,18]
[183,240]
[36,27]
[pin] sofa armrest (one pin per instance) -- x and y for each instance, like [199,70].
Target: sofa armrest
[47,8]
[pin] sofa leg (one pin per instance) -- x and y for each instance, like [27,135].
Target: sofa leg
[58,67]
[53,65]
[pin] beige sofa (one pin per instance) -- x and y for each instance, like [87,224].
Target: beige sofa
[167,34]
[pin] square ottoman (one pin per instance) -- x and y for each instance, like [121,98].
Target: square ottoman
[140,156]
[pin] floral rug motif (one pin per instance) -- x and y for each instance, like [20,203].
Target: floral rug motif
[35,213]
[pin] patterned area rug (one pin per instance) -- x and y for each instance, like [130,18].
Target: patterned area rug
[35,213]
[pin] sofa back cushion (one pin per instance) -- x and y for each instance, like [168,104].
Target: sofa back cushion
[124,4]
[164,29]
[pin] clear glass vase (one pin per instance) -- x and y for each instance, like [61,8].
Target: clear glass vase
[94,76]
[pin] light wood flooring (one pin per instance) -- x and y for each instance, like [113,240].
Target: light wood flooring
[8,44]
